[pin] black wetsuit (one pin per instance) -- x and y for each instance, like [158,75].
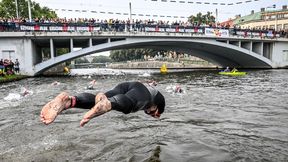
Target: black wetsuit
[126,97]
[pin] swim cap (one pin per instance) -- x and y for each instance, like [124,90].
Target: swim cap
[159,100]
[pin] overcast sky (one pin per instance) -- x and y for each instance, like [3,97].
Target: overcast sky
[156,9]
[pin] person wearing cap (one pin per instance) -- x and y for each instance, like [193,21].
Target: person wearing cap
[126,97]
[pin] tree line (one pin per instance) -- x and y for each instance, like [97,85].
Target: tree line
[8,10]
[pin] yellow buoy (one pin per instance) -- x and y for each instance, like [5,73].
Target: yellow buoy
[163,69]
[66,69]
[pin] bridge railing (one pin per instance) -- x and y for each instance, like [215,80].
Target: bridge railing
[125,27]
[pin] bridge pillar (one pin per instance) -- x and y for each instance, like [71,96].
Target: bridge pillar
[71,45]
[28,59]
[279,53]
[257,47]
[90,42]
[247,45]
[51,48]
[267,50]
[262,48]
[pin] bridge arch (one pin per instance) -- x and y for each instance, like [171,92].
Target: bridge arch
[219,53]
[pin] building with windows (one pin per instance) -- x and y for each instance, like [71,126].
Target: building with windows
[265,19]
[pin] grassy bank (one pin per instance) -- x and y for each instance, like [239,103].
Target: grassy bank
[11,78]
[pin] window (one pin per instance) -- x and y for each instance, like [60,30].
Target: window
[279,26]
[268,17]
[280,16]
[285,26]
[8,54]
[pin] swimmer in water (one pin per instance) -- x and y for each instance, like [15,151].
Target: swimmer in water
[25,92]
[55,83]
[178,89]
[91,84]
[152,83]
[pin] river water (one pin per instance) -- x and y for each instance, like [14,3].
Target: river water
[218,118]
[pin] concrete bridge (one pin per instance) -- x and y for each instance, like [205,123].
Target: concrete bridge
[231,51]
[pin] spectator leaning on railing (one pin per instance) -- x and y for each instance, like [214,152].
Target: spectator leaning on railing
[115,25]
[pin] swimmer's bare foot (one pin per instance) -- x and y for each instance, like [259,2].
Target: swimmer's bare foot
[100,96]
[50,111]
[103,106]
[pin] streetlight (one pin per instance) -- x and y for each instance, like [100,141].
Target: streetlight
[17,12]
[130,11]
[216,17]
[29,11]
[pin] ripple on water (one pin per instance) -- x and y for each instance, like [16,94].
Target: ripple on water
[217,119]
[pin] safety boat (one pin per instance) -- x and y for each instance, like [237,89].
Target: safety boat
[163,69]
[232,73]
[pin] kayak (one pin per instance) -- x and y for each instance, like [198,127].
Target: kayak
[235,73]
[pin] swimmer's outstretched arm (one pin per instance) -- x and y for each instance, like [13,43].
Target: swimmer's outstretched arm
[102,106]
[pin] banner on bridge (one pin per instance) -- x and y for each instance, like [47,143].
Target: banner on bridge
[59,28]
[217,32]
[173,29]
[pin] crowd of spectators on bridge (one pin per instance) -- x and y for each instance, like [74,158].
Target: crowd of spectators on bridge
[8,67]
[117,25]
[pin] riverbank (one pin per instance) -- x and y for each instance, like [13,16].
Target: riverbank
[11,78]
[158,64]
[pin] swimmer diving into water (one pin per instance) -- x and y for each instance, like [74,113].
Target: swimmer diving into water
[126,97]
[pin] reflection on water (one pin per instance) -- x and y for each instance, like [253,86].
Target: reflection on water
[218,118]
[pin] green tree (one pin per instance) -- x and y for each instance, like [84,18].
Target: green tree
[8,9]
[101,59]
[81,60]
[202,19]
[131,54]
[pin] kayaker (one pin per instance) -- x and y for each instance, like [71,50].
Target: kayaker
[234,70]
[227,69]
